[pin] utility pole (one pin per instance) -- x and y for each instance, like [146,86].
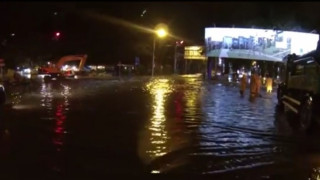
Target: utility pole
[175,59]
[153,56]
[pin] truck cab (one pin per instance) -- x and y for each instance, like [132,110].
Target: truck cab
[300,90]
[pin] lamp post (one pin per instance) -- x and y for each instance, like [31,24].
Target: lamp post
[161,32]
[178,43]
[153,56]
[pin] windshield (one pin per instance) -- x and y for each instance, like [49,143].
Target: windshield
[92,89]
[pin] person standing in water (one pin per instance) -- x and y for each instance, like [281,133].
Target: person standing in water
[258,84]
[243,84]
[252,85]
[269,84]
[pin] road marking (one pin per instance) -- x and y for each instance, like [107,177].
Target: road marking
[291,107]
[293,100]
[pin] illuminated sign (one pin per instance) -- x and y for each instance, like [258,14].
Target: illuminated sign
[194,52]
[258,44]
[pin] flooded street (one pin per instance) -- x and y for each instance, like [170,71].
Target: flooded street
[180,125]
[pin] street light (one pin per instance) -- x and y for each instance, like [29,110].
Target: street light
[161,32]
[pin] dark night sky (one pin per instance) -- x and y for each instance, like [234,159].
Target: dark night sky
[35,23]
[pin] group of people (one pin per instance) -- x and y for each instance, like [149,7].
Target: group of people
[255,85]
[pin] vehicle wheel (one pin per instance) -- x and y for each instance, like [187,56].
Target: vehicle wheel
[306,116]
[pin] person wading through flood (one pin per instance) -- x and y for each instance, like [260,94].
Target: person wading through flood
[243,84]
[269,84]
[258,82]
[255,86]
[252,87]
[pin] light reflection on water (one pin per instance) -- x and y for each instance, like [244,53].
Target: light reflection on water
[214,121]
[159,89]
[55,99]
[47,97]
[60,114]
[221,131]
[236,130]
[168,130]
[191,96]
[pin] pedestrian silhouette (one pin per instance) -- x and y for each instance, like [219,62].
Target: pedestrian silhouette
[243,84]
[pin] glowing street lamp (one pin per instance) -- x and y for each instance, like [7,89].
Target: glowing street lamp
[161,32]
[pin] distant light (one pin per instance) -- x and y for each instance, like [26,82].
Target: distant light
[181,42]
[28,71]
[41,75]
[55,13]
[264,80]
[310,61]
[74,68]
[161,32]
[57,34]
[100,67]
[229,78]
[13,34]
[65,67]
[28,76]
[49,63]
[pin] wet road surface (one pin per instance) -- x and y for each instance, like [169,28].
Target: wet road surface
[179,125]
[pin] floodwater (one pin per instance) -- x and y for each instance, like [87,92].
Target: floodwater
[171,125]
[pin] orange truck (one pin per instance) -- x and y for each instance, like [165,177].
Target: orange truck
[56,70]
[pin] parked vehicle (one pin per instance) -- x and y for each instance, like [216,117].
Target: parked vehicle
[300,90]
